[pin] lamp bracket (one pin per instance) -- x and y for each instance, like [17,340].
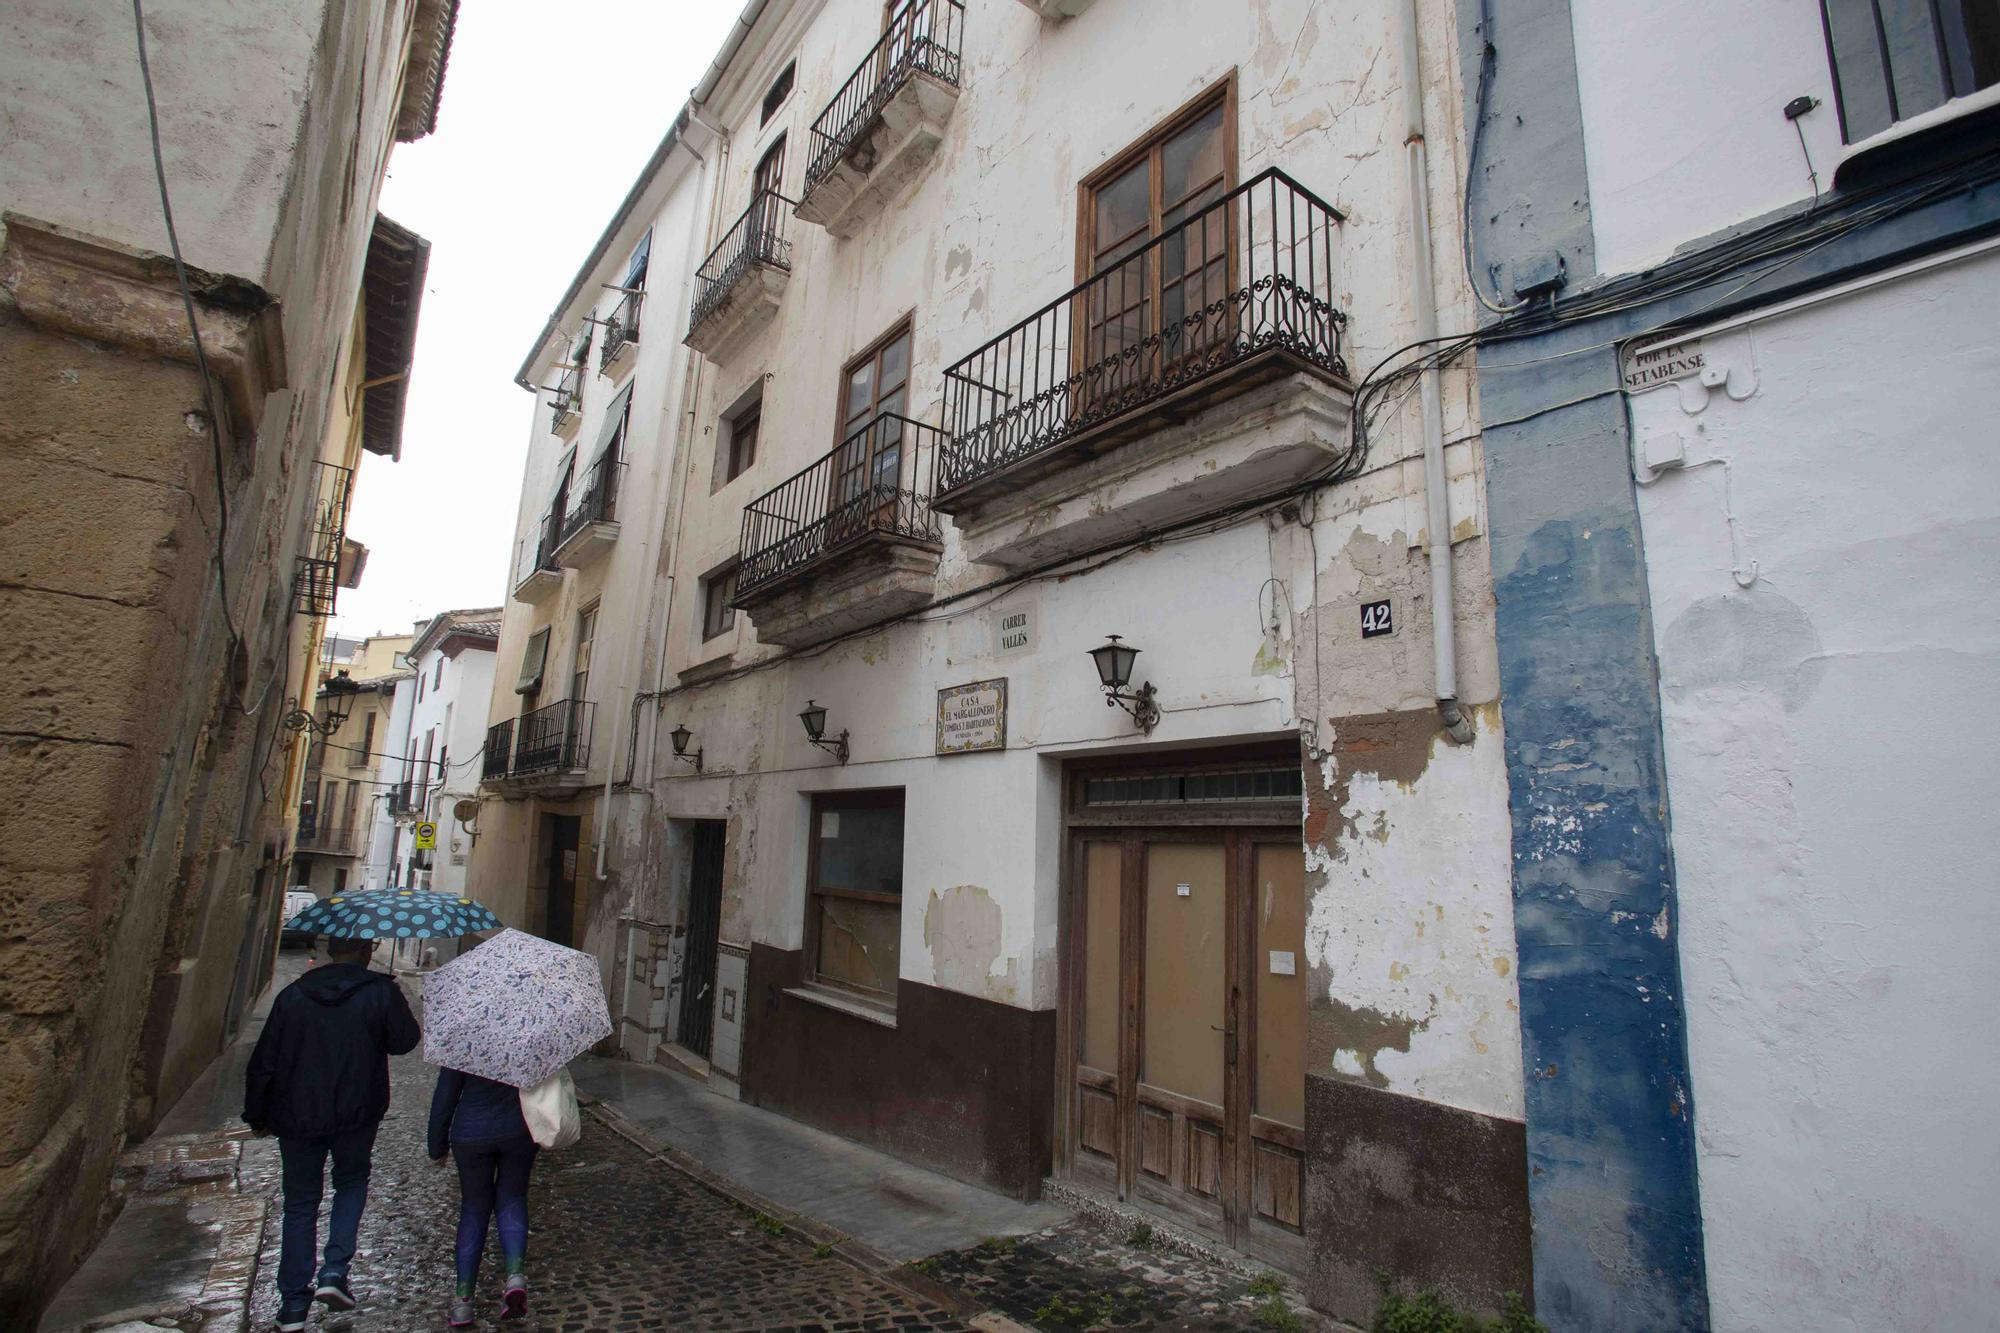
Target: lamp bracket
[837,747]
[1140,704]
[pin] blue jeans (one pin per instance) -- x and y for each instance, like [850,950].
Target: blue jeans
[493,1183]
[304,1177]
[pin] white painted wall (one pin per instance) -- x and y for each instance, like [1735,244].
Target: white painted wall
[455,710]
[1684,132]
[1830,742]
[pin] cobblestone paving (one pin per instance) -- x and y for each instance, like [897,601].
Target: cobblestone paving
[618,1241]
[1085,1275]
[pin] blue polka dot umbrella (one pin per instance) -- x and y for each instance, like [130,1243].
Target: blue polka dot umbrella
[393,914]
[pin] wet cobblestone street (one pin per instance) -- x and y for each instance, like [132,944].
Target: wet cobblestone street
[619,1240]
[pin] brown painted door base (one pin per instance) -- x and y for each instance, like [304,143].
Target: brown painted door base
[1184,1032]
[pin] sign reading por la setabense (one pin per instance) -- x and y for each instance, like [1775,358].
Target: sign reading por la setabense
[1649,365]
[972,717]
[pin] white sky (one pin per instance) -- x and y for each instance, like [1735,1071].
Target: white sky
[549,112]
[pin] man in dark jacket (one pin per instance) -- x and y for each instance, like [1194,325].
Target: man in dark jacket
[319,1080]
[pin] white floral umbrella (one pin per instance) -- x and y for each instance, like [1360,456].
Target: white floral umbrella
[516,1009]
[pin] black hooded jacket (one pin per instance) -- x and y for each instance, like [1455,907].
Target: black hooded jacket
[322,1063]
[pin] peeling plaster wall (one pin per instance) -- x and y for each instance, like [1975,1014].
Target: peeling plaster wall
[1830,739]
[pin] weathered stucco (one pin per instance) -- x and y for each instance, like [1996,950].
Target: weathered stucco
[1828,758]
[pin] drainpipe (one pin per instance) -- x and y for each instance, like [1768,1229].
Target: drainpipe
[1423,301]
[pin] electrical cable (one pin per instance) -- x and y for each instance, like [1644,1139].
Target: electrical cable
[1488,55]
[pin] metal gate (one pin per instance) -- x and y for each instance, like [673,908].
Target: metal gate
[696,1026]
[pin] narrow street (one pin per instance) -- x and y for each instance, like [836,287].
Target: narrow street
[623,1238]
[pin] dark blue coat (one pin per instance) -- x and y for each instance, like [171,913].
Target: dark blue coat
[321,1065]
[474,1112]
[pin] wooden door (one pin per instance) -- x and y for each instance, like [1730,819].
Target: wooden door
[868,467]
[1186,1034]
[564,831]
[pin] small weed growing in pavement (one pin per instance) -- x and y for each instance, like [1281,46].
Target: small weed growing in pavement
[1266,1284]
[926,1265]
[1068,1314]
[770,1226]
[1274,1314]
[1141,1237]
[1430,1312]
[822,1250]
[998,1244]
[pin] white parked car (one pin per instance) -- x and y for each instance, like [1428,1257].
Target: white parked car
[296,901]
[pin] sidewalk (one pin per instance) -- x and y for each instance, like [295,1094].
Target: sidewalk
[902,1212]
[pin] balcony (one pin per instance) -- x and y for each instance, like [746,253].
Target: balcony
[547,749]
[588,525]
[885,123]
[737,288]
[1205,368]
[849,540]
[537,576]
[566,405]
[407,799]
[621,331]
[329,839]
[498,752]
[316,578]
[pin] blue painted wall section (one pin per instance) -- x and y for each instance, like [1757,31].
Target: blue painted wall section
[1612,1178]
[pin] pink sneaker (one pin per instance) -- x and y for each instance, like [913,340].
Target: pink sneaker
[516,1297]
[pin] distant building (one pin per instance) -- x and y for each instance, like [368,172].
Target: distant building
[174,506]
[344,784]
[440,725]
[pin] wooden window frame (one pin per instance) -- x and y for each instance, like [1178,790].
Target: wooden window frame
[876,798]
[904,327]
[582,645]
[709,583]
[757,182]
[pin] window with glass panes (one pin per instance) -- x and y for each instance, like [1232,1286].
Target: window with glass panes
[586,637]
[1162,293]
[874,393]
[717,615]
[855,871]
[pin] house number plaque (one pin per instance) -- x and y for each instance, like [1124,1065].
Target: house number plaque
[972,717]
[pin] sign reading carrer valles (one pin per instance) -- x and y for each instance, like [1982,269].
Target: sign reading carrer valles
[972,717]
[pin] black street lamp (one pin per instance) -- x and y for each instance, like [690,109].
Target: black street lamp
[1114,661]
[338,691]
[680,736]
[814,718]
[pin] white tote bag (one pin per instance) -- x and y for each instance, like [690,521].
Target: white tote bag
[551,1112]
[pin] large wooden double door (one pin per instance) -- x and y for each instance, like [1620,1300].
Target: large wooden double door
[1184,1049]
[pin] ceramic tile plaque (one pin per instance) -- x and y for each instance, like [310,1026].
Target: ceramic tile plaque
[972,717]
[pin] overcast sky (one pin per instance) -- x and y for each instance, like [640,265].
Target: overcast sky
[548,114]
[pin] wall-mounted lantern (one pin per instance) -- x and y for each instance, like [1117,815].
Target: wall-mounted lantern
[1114,672]
[338,691]
[814,718]
[680,736]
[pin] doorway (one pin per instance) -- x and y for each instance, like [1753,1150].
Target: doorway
[1182,1084]
[562,834]
[695,1025]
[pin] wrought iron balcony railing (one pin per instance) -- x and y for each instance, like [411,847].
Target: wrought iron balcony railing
[536,551]
[594,500]
[925,38]
[499,751]
[407,798]
[621,326]
[758,237]
[1250,278]
[552,739]
[568,400]
[877,481]
[337,839]
[316,580]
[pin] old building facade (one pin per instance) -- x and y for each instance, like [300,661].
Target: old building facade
[960,355]
[159,488]
[439,712]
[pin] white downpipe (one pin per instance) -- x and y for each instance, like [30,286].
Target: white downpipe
[1423,302]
